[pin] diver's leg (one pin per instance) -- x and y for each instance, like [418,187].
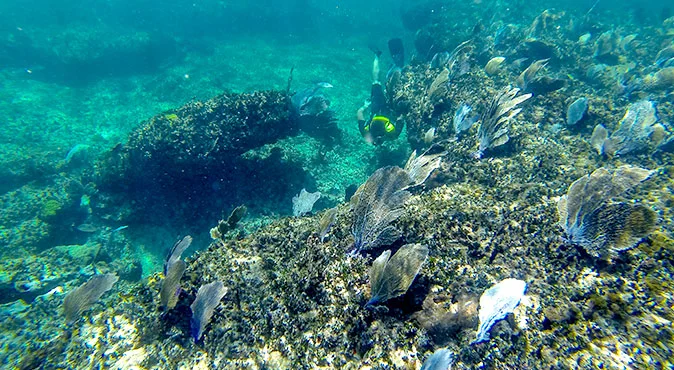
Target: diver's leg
[377,99]
[375,69]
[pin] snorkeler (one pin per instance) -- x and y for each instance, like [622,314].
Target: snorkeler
[379,125]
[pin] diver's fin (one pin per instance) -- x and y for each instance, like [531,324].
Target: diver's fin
[395,47]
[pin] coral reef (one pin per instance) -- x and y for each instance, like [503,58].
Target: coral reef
[156,169]
[295,298]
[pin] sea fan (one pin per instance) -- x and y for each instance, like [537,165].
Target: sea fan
[600,227]
[392,277]
[502,108]
[208,298]
[376,204]
[84,296]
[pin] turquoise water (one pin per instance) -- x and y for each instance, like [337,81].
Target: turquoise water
[116,141]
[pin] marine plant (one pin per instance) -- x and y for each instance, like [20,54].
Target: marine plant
[463,120]
[439,81]
[660,80]
[326,222]
[496,303]
[207,299]
[529,74]
[303,202]
[441,359]
[576,111]
[456,63]
[176,251]
[665,56]
[633,134]
[493,66]
[599,139]
[602,228]
[170,286]
[502,108]
[607,45]
[429,136]
[634,130]
[419,168]
[84,296]
[392,276]
[376,204]
[223,227]
[174,269]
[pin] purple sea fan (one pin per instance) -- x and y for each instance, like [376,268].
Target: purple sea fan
[174,269]
[170,286]
[208,298]
[634,130]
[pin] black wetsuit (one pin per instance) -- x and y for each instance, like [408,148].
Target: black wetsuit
[378,107]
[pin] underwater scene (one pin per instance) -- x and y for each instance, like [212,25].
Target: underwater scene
[337,184]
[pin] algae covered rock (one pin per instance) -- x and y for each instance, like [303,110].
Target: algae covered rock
[194,154]
[201,134]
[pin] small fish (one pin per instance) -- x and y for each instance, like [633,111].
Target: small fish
[87,228]
[325,85]
[120,228]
